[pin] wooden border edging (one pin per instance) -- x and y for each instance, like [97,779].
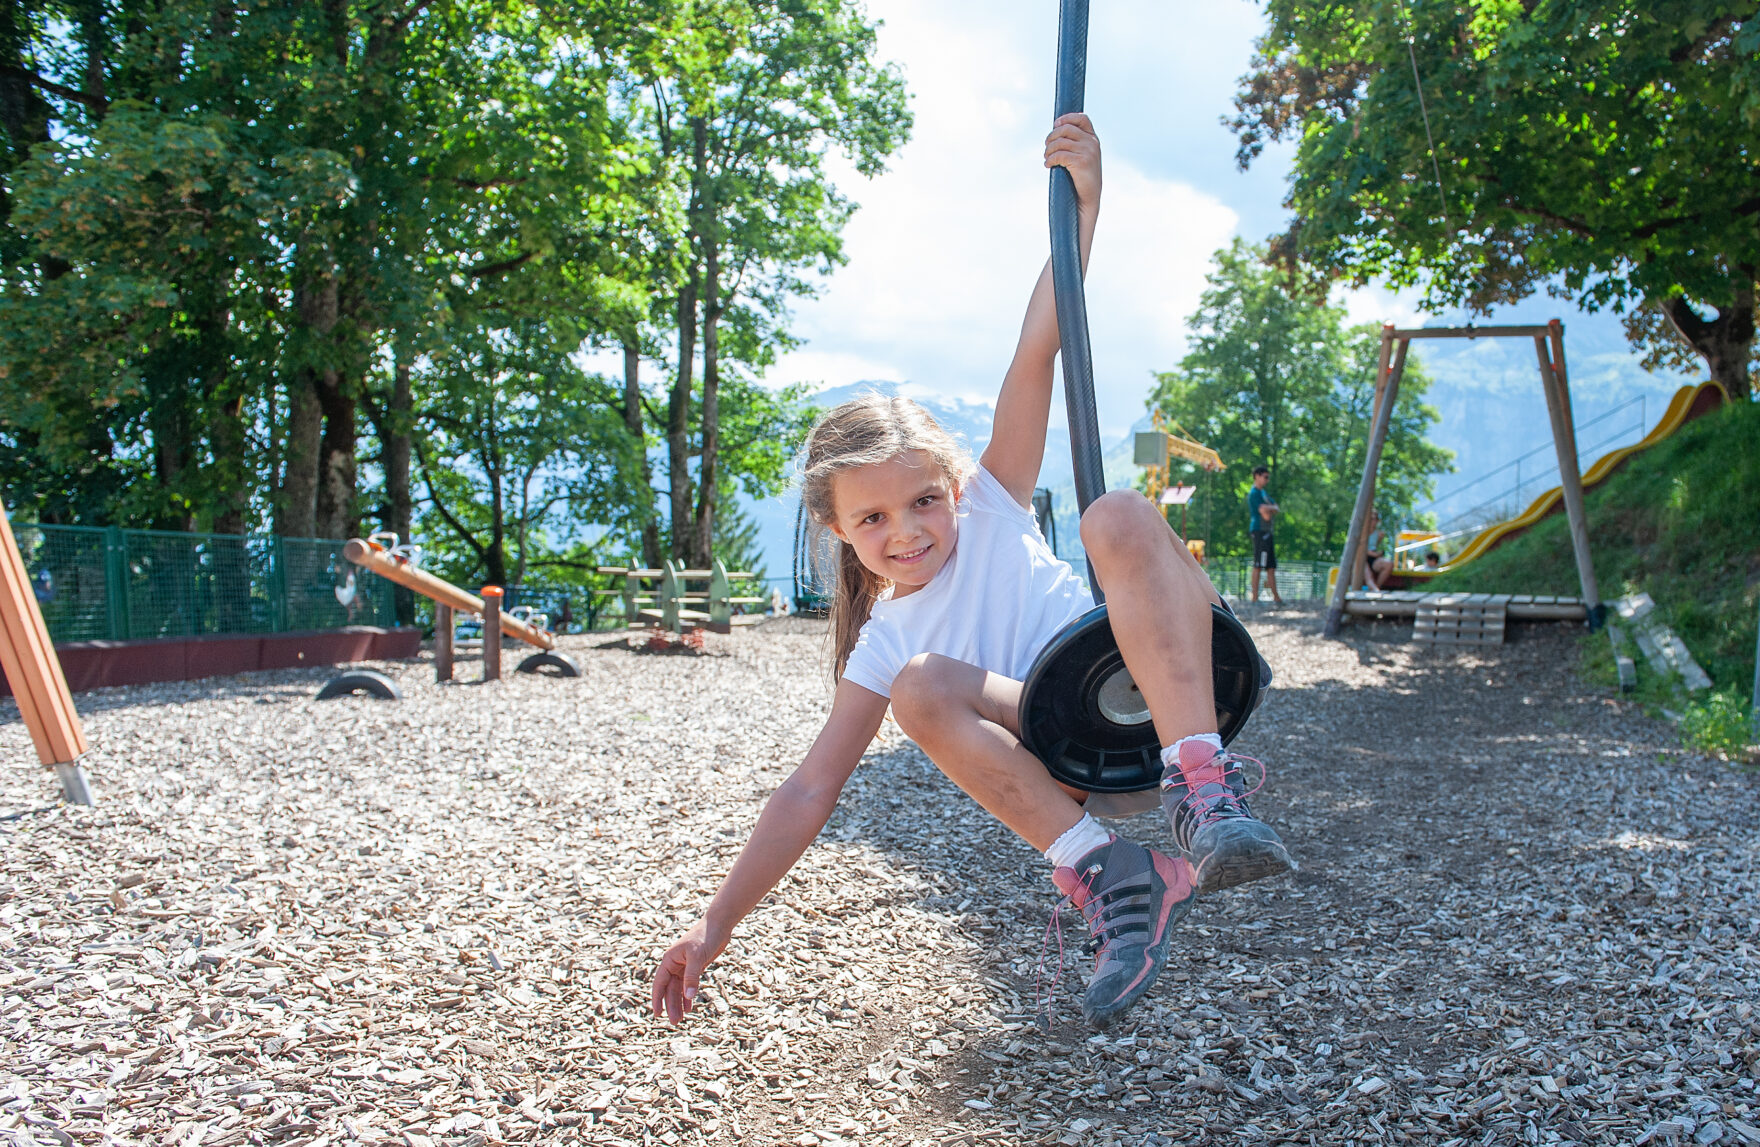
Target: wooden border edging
[102,664]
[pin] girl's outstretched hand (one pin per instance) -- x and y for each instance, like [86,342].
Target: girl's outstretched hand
[680,971]
[1073,145]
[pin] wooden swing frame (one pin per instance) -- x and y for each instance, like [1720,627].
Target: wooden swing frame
[1549,350]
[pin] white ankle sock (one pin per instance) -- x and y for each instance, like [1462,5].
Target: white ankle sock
[1077,841]
[1170,754]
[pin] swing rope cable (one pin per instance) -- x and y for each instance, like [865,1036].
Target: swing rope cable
[1429,139]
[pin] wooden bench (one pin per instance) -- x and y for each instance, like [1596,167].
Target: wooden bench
[678,600]
[1462,618]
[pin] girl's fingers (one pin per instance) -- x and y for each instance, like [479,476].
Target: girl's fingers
[667,987]
[1072,151]
[662,981]
[1072,131]
[1069,157]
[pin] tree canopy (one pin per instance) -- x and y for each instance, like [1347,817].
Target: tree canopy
[1274,379]
[326,267]
[1608,152]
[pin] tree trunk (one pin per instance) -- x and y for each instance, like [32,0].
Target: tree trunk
[399,505]
[1725,343]
[703,554]
[336,458]
[678,407]
[24,113]
[296,508]
[173,453]
[632,422]
[318,303]
[227,438]
[495,555]
[678,419]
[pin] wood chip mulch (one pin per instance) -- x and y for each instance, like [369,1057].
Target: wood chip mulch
[1524,915]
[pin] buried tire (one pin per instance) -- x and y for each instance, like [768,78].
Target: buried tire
[550,665]
[357,681]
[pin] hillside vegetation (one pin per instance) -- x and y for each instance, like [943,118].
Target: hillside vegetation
[1680,521]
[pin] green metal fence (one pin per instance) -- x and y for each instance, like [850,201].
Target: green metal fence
[112,584]
[1296,580]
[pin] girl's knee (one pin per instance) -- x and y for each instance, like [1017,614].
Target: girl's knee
[1119,517]
[919,693]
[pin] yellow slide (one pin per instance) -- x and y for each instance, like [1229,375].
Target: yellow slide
[1688,403]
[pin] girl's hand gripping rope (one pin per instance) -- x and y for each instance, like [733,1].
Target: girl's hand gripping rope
[1073,145]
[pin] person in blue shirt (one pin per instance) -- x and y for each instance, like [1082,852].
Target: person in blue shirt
[1260,510]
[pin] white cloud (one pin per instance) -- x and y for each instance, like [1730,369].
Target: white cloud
[948,243]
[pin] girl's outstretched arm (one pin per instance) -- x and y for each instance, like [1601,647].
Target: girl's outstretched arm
[1017,442]
[793,816]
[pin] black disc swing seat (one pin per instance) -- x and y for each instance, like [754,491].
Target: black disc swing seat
[1081,713]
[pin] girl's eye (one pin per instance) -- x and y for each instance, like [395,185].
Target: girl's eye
[926,500]
[870,519]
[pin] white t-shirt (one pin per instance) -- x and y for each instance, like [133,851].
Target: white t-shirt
[999,599]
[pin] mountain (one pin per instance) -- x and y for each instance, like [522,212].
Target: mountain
[1487,391]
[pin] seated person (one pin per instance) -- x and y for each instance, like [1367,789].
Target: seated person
[1376,564]
[1432,560]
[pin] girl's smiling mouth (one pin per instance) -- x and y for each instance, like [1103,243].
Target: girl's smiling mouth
[911,555]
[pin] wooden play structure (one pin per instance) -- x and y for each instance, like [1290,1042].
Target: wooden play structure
[1549,351]
[1462,618]
[1155,450]
[35,674]
[397,564]
[679,600]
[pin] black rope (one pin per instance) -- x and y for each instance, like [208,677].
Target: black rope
[1066,274]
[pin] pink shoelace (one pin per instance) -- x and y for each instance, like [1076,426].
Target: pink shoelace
[1207,807]
[1055,926]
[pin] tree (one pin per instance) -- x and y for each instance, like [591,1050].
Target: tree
[261,208]
[1274,379]
[512,459]
[761,92]
[1608,152]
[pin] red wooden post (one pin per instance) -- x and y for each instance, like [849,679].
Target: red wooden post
[34,672]
[492,595]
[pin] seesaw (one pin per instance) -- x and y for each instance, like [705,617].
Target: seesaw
[397,564]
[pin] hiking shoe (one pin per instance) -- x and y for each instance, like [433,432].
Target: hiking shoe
[1206,802]
[1131,897]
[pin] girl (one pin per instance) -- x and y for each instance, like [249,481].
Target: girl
[946,592]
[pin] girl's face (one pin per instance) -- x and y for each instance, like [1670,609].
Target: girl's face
[899,516]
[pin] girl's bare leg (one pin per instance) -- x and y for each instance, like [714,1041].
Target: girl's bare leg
[1131,897]
[1158,598]
[968,721]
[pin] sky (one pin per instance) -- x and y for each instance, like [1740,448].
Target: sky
[947,244]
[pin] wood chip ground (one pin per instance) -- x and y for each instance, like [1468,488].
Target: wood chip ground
[1524,915]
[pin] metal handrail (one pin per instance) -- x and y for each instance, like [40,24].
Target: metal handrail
[1640,401]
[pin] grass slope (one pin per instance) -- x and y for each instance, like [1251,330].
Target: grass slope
[1680,521]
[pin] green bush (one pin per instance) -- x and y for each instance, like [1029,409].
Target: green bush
[1720,724]
[1677,521]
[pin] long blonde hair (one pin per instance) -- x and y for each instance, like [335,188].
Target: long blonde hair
[864,431]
